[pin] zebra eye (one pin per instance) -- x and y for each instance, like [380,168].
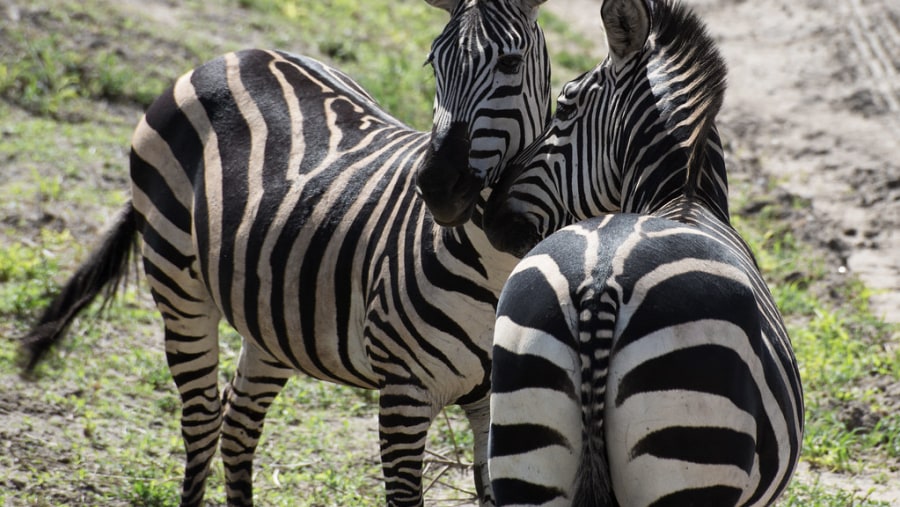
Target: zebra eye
[509,64]
[565,110]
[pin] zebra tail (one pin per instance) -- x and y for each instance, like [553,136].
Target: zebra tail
[594,485]
[106,268]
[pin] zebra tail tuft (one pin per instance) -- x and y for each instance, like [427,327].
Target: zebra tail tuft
[593,483]
[107,268]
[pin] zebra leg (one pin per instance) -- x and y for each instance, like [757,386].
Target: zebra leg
[192,351]
[247,397]
[405,414]
[479,416]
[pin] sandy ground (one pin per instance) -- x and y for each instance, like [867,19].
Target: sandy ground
[813,106]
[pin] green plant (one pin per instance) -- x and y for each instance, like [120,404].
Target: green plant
[27,273]
[820,495]
[153,493]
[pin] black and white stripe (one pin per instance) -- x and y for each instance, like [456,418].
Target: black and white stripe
[271,190]
[639,358]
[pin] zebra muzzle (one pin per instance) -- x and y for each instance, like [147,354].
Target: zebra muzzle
[446,182]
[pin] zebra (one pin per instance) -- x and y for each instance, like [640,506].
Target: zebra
[270,190]
[639,358]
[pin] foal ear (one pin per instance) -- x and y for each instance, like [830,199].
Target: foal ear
[447,5]
[627,24]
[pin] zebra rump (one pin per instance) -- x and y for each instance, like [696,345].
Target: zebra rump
[608,329]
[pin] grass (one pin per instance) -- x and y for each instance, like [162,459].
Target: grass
[100,427]
[63,76]
[819,495]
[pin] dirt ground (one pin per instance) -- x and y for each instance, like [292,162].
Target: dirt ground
[813,106]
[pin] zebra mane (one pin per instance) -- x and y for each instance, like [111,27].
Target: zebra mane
[689,76]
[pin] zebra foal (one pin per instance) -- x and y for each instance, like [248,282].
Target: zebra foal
[271,190]
[639,358]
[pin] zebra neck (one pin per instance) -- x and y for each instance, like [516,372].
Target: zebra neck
[658,184]
[466,251]
[649,186]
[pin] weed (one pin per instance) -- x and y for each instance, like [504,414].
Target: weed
[819,495]
[27,273]
[153,493]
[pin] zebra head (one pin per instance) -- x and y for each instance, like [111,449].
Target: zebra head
[633,134]
[492,97]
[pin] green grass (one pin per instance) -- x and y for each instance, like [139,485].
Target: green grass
[66,60]
[819,495]
[101,424]
[367,42]
[27,274]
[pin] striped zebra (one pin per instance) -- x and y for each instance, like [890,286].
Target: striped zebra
[639,358]
[272,191]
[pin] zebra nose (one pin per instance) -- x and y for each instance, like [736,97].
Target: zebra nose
[446,183]
[507,230]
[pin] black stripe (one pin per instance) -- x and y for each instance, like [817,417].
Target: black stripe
[711,369]
[688,297]
[512,439]
[147,178]
[704,445]
[211,85]
[152,271]
[529,300]
[515,491]
[161,244]
[176,130]
[712,496]
[513,372]
[265,90]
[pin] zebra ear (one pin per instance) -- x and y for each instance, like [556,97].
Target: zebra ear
[447,5]
[627,24]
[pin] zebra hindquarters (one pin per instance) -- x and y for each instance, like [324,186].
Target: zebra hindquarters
[681,417]
[536,420]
